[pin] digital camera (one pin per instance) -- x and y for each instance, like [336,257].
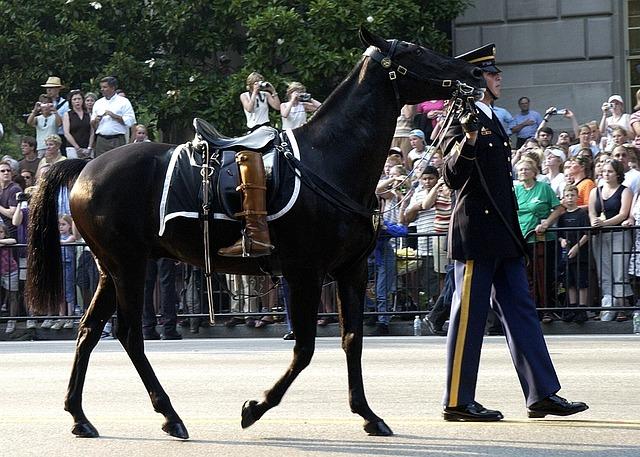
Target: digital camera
[264,84]
[23,196]
[304,97]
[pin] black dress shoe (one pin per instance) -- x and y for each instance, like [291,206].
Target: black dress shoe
[233,322]
[370,321]
[381,329]
[433,329]
[171,335]
[289,336]
[151,335]
[473,412]
[580,317]
[555,406]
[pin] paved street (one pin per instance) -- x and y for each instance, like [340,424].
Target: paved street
[208,381]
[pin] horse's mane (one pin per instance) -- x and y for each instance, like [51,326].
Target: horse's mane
[359,120]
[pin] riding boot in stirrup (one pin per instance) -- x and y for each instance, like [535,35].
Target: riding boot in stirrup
[255,240]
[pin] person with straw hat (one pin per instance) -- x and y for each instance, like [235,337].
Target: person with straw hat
[53,87]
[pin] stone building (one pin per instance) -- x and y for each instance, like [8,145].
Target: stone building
[564,53]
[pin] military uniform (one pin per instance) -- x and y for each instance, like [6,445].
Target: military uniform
[489,261]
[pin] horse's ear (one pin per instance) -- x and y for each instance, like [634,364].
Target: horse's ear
[369,39]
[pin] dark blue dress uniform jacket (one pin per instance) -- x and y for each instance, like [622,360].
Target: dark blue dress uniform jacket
[476,230]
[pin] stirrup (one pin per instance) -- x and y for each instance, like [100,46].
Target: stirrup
[248,241]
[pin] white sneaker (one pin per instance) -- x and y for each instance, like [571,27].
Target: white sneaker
[106,332]
[31,324]
[47,323]
[57,325]
[68,323]
[11,327]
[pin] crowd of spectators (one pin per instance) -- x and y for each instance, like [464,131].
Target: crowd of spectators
[582,177]
[79,126]
[84,126]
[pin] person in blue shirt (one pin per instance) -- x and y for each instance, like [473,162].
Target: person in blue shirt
[526,123]
[505,118]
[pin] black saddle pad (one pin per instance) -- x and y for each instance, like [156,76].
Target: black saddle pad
[182,192]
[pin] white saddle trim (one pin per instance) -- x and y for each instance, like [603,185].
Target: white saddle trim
[221,216]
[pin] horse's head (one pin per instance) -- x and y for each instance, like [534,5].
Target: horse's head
[419,74]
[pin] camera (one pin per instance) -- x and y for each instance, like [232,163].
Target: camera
[607,105]
[561,112]
[23,197]
[304,97]
[264,84]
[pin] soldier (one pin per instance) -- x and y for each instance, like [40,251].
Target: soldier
[488,249]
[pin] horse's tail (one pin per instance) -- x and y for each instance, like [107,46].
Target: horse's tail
[44,289]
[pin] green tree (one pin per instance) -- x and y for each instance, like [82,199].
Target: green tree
[167,53]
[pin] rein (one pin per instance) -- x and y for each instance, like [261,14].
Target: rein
[322,187]
[462,100]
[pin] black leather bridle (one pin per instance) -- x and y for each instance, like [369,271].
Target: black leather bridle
[395,71]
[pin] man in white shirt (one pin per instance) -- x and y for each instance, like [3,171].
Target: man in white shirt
[112,116]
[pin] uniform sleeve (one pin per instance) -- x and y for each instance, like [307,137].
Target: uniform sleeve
[459,157]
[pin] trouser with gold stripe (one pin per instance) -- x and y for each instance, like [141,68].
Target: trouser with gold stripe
[501,284]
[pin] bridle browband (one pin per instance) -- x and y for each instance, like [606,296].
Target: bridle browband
[396,70]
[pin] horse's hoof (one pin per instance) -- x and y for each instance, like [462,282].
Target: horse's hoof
[84,430]
[248,419]
[176,429]
[378,428]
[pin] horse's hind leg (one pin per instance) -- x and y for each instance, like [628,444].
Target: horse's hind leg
[351,289]
[101,309]
[130,291]
[305,287]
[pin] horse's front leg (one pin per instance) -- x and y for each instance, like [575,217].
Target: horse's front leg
[305,288]
[352,284]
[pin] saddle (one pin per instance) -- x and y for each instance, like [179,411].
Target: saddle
[224,182]
[258,140]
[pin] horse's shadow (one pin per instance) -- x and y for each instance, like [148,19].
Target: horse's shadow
[423,446]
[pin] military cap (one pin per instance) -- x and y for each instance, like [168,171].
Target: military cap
[484,57]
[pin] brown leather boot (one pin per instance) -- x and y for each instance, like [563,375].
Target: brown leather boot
[255,240]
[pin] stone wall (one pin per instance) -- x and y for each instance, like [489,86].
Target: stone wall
[565,53]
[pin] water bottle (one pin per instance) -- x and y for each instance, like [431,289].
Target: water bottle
[417,326]
[636,322]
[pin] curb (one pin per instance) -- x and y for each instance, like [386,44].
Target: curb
[277,330]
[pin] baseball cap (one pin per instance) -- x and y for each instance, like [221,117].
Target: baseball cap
[556,152]
[417,132]
[616,98]
[395,150]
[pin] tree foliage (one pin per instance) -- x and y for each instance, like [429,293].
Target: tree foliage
[167,53]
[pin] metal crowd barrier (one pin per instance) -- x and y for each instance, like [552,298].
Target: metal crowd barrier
[418,263]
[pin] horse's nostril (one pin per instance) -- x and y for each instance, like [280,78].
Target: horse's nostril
[476,73]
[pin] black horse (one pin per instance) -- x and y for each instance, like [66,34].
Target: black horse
[115,198]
